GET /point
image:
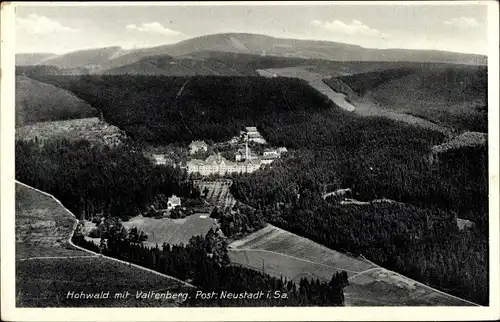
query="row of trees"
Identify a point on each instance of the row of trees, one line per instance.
(204, 263)
(239, 221)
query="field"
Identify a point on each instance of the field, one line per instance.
(46, 283)
(218, 192)
(281, 253)
(91, 129)
(171, 231)
(43, 226)
(40, 102)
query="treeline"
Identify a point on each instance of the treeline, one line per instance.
(204, 263)
(423, 244)
(240, 221)
(155, 110)
(97, 179)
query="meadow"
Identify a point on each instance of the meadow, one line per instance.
(43, 226)
(171, 231)
(48, 266)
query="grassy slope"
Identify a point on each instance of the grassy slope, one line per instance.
(25, 59)
(81, 58)
(39, 102)
(450, 95)
(42, 226)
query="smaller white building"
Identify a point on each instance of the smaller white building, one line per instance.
(173, 202)
(196, 146)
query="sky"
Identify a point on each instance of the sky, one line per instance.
(59, 29)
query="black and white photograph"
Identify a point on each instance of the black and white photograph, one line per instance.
(250, 155)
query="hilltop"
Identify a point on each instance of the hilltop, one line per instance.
(40, 102)
(114, 57)
(168, 65)
(84, 58)
(32, 58)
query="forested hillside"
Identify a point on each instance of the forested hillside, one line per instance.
(452, 95)
(91, 179)
(154, 109)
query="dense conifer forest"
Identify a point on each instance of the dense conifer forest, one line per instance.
(97, 179)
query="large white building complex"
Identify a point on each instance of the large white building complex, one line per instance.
(246, 162)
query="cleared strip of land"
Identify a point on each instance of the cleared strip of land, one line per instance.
(42, 226)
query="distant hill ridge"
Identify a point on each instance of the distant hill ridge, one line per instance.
(114, 57)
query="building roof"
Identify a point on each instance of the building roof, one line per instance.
(252, 161)
(269, 156)
(196, 162)
(254, 135)
(218, 159)
(197, 144)
(251, 129)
